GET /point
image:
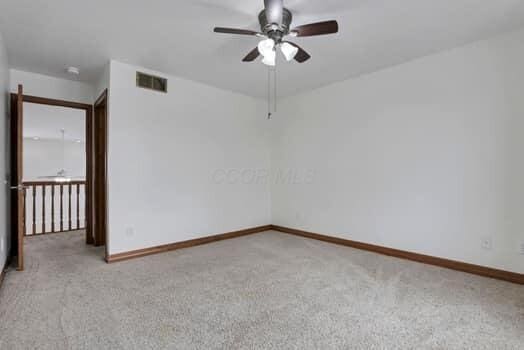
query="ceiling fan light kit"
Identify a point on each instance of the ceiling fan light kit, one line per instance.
(270, 59)
(275, 24)
(289, 51)
(266, 48)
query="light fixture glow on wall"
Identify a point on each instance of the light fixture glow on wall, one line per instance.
(289, 51)
(73, 70)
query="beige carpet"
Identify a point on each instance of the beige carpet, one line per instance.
(265, 291)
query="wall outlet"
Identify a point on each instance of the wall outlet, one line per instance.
(130, 232)
(487, 243)
(521, 251)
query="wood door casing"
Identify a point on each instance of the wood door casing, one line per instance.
(100, 170)
(17, 192)
(13, 206)
(89, 178)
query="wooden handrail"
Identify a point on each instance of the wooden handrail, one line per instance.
(49, 183)
(39, 189)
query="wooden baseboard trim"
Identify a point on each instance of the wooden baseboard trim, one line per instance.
(185, 244)
(421, 258)
(426, 259)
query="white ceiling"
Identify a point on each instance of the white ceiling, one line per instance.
(45, 122)
(177, 36)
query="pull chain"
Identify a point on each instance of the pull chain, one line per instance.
(271, 109)
(275, 89)
(268, 93)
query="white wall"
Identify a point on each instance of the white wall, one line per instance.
(50, 87)
(103, 82)
(426, 156)
(4, 190)
(44, 158)
(164, 152)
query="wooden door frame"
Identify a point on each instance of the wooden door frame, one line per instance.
(16, 205)
(100, 164)
(89, 155)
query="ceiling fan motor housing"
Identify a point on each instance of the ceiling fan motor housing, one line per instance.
(274, 30)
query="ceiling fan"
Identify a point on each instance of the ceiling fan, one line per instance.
(275, 21)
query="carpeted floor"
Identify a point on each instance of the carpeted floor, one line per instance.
(265, 291)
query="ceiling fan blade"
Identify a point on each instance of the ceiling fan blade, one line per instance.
(235, 31)
(301, 56)
(320, 28)
(274, 10)
(252, 55)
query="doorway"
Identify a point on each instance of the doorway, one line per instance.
(64, 199)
